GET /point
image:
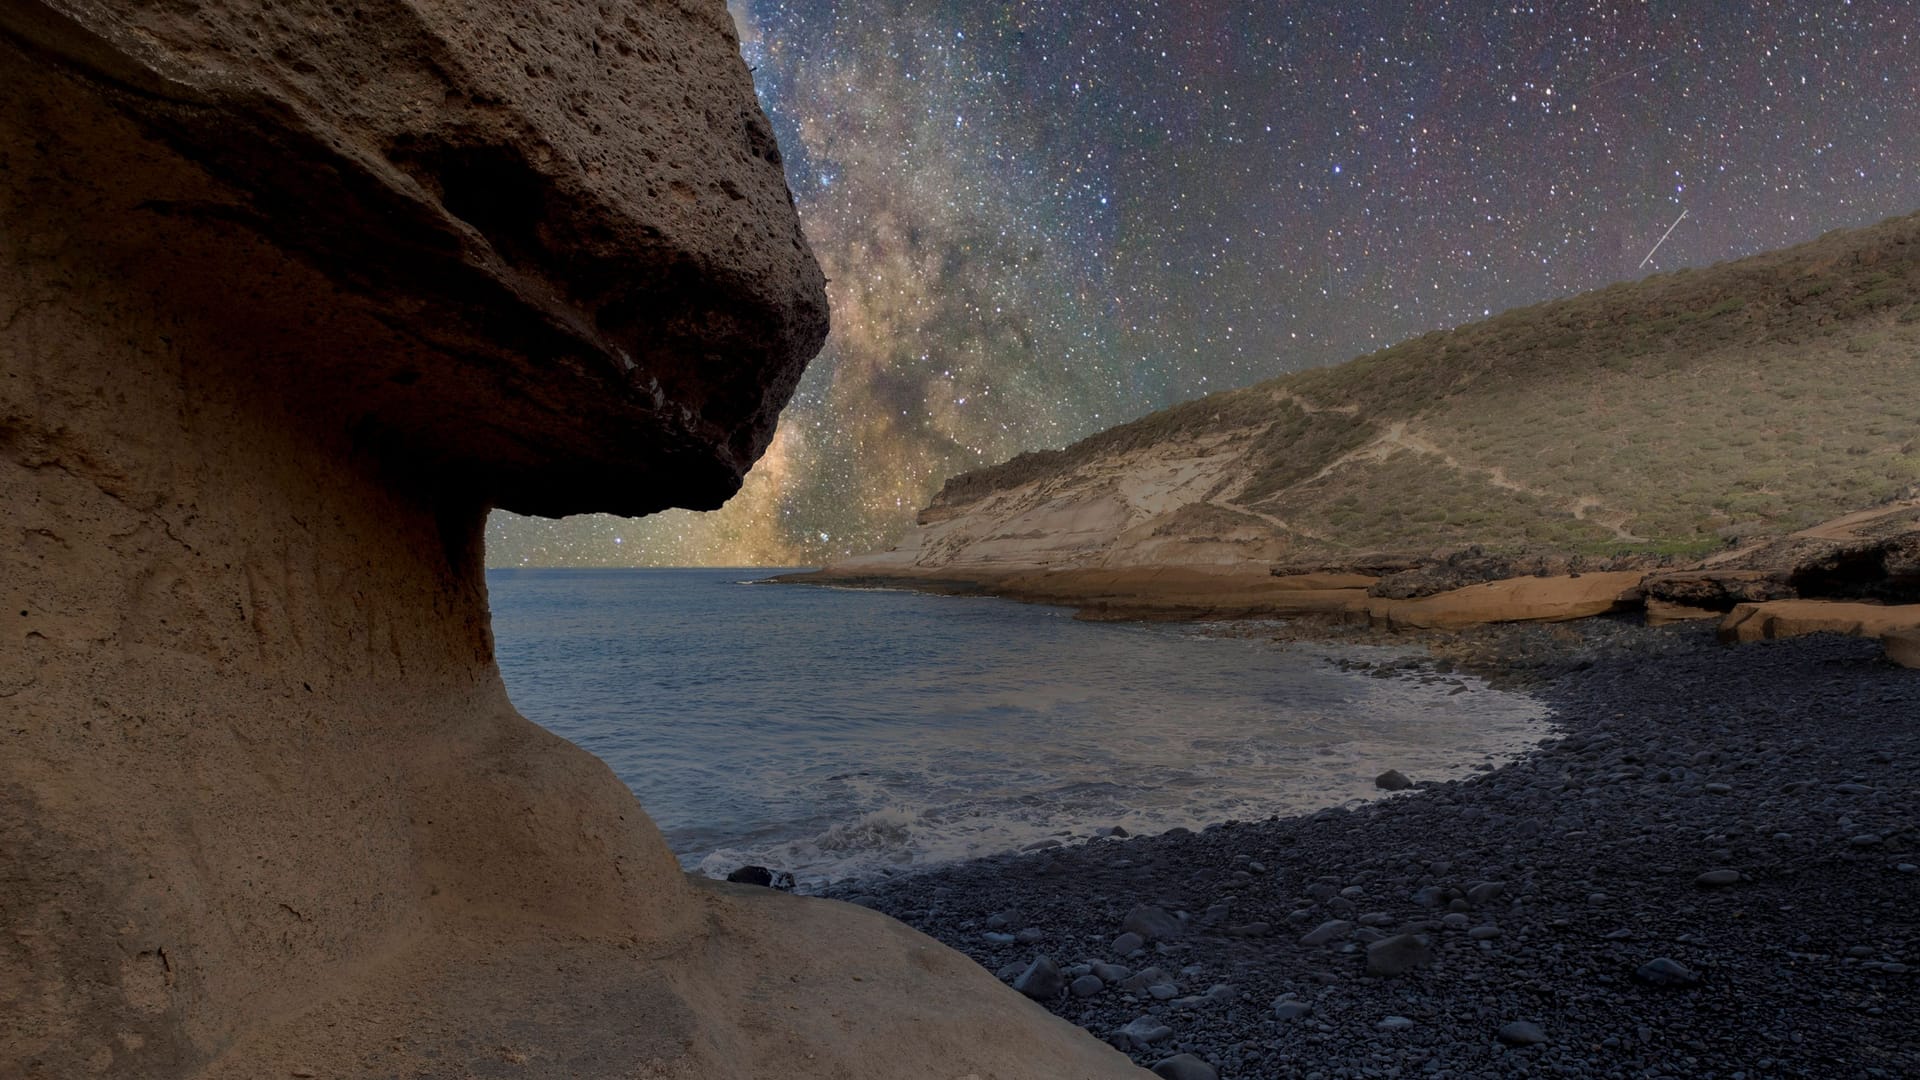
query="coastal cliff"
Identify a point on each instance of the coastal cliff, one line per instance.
(290, 297)
(1750, 422)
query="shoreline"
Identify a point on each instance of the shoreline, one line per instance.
(1376, 703)
(1675, 757)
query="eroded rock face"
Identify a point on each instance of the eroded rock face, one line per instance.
(573, 215)
(290, 295)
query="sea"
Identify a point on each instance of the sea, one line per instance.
(838, 733)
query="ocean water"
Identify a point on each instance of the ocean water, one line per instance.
(839, 732)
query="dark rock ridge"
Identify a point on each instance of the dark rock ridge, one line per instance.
(290, 295)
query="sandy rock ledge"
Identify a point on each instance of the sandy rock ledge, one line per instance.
(288, 300)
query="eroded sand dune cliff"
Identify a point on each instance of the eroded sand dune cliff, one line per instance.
(290, 296)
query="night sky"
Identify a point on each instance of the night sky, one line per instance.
(1039, 220)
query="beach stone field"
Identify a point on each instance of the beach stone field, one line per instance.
(1713, 870)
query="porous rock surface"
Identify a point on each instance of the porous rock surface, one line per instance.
(290, 296)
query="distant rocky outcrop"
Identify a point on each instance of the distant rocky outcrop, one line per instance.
(1645, 424)
(1689, 445)
(290, 295)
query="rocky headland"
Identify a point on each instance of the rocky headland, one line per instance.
(291, 295)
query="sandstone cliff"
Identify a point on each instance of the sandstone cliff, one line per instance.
(1662, 418)
(290, 296)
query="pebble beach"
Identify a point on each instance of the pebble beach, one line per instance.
(1709, 871)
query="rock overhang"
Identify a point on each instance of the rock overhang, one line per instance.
(605, 295)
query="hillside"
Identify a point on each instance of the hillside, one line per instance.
(1677, 415)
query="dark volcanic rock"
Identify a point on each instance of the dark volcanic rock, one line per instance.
(1144, 1031)
(1330, 931)
(1399, 954)
(1663, 971)
(1184, 1067)
(1522, 1033)
(1041, 981)
(1152, 923)
(1717, 590)
(1392, 780)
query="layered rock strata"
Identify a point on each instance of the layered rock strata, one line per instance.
(290, 296)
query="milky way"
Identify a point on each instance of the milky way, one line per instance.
(1039, 220)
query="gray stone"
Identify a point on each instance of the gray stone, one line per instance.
(1087, 986)
(1522, 1033)
(1144, 1031)
(1394, 1023)
(752, 875)
(1184, 1067)
(1484, 933)
(1152, 923)
(1665, 972)
(1128, 942)
(1392, 780)
(1291, 1010)
(1144, 978)
(1399, 954)
(1330, 930)
(1714, 879)
(1041, 981)
(1112, 973)
(1483, 893)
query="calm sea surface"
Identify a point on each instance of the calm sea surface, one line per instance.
(835, 732)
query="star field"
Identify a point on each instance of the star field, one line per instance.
(1040, 220)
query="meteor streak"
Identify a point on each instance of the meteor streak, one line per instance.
(1662, 240)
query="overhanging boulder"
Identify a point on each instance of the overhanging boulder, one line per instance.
(290, 296)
